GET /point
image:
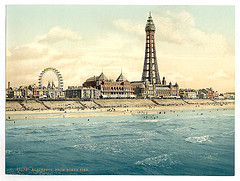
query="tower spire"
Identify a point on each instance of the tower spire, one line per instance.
(150, 24)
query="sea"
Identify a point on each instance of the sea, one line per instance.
(189, 142)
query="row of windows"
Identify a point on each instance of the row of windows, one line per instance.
(119, 93)
(116, 88)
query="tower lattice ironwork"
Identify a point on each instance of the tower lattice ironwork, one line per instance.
(150, 68)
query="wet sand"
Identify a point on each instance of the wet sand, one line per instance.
(115, 111)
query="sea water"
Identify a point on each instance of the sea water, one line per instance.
(189, 142)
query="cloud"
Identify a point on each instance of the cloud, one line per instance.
(178, 51)
(25, 62)
(28, 51)
(174, 76)
(218, 75)
(182, 17)
(76, 63)
(179, 28)
(129, 26)
(57, 34)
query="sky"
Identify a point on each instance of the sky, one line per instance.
(195, 45)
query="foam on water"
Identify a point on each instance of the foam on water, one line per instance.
(198, 139)
(181, 129)
(85, 146)
(177, 145)
(151, 120)
(161, 160)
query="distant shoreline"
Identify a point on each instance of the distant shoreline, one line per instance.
(112, 111)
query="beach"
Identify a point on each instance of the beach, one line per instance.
(97, 108)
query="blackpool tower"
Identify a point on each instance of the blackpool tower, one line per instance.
(150, 68)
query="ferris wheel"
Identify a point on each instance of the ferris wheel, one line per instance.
(56, 72)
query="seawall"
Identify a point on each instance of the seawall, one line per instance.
(31, 105)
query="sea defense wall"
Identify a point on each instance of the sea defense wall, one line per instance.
(106, 103)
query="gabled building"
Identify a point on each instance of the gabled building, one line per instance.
(121, 88)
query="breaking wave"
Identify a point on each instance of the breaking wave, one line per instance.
(198, 139)
(161, 160)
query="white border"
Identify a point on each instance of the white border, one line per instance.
(4, 177)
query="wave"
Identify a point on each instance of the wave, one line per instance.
(131, 141)
(34, 132)
(151, 120)
(147, 133)
(198, 139)
(161, 160)
(181, 129)
(85, 146)
(13, 152)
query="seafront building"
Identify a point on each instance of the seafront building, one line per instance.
(121, 88)
(188, 93)
(208, 93)
(81, 92)
(33, 91)
(229, 95)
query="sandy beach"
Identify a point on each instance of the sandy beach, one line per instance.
(113, 111)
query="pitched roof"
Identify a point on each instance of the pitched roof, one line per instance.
(102, 77)
(121, 78)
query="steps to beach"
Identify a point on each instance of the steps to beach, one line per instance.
(21, 103)
(41, 102)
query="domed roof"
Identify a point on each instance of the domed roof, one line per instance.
(95, 78)
(91, 79)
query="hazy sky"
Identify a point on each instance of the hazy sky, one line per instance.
(195, 44)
